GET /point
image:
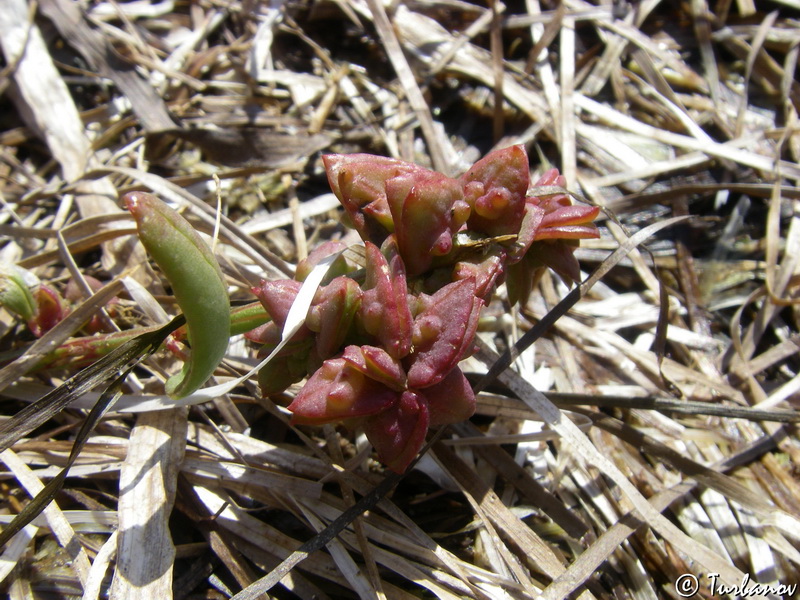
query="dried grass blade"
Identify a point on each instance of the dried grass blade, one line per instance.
(79, 245)
(426, 37)
(36, 414)
(48, 492)
(496, 48)
(221, 545)
(756, 47)
(15, 550)
(729, 574)
(777, 283)
(728, 150)
(702, 29)
(333, 441)
(535, 493)
(414, 573)
(56, 520)
(96, 49)
(43, 90)
(221, 471)
(615, 46)
(408, 81)
(508, 523)
(94, 584)
(455, 565)
(347, 566)
(280, 218)
(684, 407)
(606, 544)
(538, 61)
(569, 300)
(321, 539)
(727, 486)
(589, 560)
(148, 482)
(567, 135)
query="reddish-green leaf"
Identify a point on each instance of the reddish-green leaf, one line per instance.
(443, 333)
(398, 434)
(338, 391)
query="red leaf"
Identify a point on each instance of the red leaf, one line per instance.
(495, 189)
(428, 209)
(567, 232)
(485, 270)
(338, 391)
(277, 297)
(268, 333)
(384, 307)
(551, 177)
(444, 332)
(339, 266)
(358, 181)
(377, 364)
(398, 434)
(451, 400)
(570, 215)
(332, 314)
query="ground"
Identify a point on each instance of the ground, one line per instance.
(647, 441)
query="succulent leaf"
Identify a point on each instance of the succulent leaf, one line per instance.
(197, 283)
(332, 314)
(338, 391)
(486, 271)
(495, 189)
(443, 333)
(451, 400)
(428, 209)
(397, 434)
(377, 364)
(338, 268)
(358, 181)
(277, 297)
(571, 215)
(384, 307)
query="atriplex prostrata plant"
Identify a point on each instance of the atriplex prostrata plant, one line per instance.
(380, 346)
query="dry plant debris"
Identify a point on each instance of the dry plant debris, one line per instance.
(651, 433)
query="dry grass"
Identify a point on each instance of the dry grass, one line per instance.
(651, 433)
